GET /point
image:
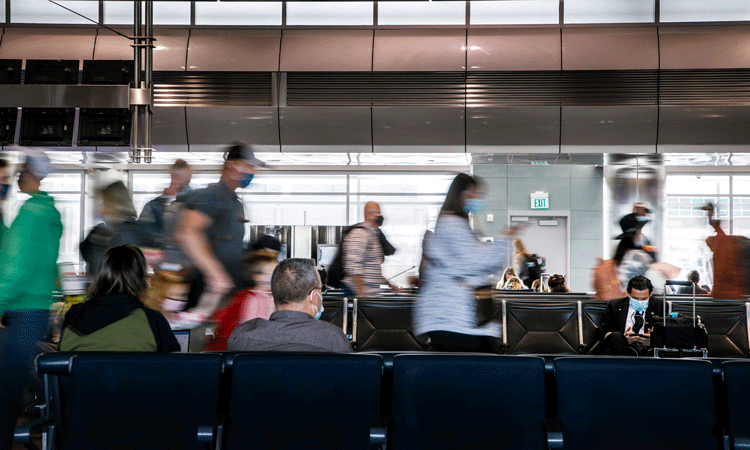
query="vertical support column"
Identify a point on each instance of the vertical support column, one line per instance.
(149, 60)
(629, 179)
(135, 142)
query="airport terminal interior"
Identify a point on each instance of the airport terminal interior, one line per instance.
(355, 101)
(570, 111)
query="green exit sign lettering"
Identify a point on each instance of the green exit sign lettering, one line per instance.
(540, 200)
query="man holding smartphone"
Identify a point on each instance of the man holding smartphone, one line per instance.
(626, 325)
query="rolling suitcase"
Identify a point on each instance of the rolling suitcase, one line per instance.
(678, 335)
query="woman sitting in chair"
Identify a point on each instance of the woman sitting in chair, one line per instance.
(114, 317)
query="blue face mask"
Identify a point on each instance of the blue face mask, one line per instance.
(322, 308)
(473, 206)
(4, 188)
(638, 305)
(245, 182)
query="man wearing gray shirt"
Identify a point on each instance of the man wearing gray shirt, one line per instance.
(296, 290)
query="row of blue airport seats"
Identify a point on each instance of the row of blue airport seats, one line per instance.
(533, 325)
(437, 401)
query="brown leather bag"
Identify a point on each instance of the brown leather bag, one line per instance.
(606, 284)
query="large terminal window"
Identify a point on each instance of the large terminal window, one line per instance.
(410, 203)
(685, 243)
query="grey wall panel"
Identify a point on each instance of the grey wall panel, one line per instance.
(705, 47)
(609, 129)
(528, 129)
(325, 129)
(47, 43)
(235, 50)
(169, 128)
(419, 50)
(720, 129)
(211, 129)
(610, 48)
(514, 49)
(418, 129)
(326, 50)
(169, 54)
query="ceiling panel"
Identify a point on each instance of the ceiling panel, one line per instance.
(169, 54)
(419, 50)
(513, 49)
(211, 129)
(704, 47)
(47, 43)
(706, 129)
(526, 129)
(418, 129)
(235, 50)
(325, 129)
(326, 51)
(610, 48)
(169, 133)
(609, 129)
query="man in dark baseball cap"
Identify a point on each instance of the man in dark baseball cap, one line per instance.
(243, 152)
(211, 232)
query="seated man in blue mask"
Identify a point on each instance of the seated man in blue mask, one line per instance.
(626, 325)
(293, 327)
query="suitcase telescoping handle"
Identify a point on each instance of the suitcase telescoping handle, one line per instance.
(678, 283)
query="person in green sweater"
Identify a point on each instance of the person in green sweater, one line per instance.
(28, 272)
(4, 189)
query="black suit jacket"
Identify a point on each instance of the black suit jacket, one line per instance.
(616, 315)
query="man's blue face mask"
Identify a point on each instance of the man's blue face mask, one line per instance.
(638, 305)
(4, 189)
(322, 308)
(245, 182)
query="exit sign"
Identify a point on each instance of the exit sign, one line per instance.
(540, 200)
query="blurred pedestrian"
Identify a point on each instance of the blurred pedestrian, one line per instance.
(119, 226)
(28, 259)
(446, 308)
(4, 190)
(211, 232)
(363, 254)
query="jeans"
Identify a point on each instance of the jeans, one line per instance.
(17, 352)
(348, 291)
(445, 341)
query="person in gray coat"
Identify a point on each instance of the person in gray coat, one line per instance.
(446, 307)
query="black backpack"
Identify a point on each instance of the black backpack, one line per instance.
(336, 269)
(531, 270)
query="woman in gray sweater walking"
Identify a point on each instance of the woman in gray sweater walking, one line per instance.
(459, 262)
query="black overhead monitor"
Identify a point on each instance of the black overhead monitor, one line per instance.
(108, 72)
(47, 127)
(104, 127)
(10, 71)
(51, 71)
(8, 120)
